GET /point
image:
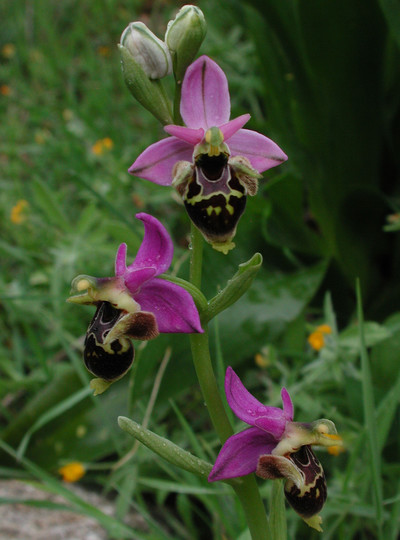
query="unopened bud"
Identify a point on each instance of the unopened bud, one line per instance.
(145, 59)
(147, 50)
(184, 36)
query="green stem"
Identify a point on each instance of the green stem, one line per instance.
(159, 84)
(277, 514)
(177, 103)
(208, 384)
(196, 255)
(247, 490)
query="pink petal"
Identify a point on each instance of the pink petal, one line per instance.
(240, 453)
(234, 125)
(205, 95)
(287, 405)
(173, 307)
(269, 424)
(261, 151)
(156, 250)
(120, 260)
(250, 410)
(156, 162)
(135, 278)
(189, 135)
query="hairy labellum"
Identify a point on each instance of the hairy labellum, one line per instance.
(107, 359)
(309, 498)
(215, 199)
(305, 486)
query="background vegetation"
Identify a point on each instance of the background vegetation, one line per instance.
(321, 78)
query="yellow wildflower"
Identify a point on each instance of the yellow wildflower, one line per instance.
(261, 361)
(102, 145)
(324, 328)
(336, 450)
(393, 218)
(138, 201)
(41, 136)
(317, 338)
(8, 50)
(67, 115)
(72, 472)
(5, 90)
(104, 50)
(17, 212)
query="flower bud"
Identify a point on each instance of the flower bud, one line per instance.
(147, 50)
(184, 36)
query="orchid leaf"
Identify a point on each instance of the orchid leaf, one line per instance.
(165, 448)
(235, 288)
(374, 333)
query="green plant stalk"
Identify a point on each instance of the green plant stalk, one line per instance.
(196, 255)
(247, 490)
(277, 514)
(177, 103)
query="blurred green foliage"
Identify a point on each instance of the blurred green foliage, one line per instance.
(319, 77)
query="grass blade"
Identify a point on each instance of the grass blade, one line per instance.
(369, 417)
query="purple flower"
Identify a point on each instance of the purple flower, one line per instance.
(134, 304)
(212, 162)
(276, 447)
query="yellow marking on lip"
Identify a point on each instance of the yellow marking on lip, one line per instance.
(216, 209)
(230, 209)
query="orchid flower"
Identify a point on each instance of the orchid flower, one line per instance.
(212, 162)
(276, 447)
(134, 304)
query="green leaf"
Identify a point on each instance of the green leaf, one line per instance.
(51, 414)
(178, 487)
(48, 203)
(391, 11)
(165, 448)
(235, 288)
(262, 315)
(374, 333)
